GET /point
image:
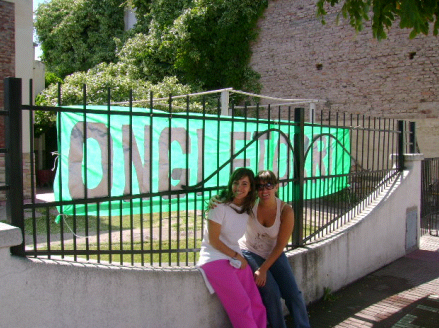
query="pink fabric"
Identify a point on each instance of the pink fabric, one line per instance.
(238, 293)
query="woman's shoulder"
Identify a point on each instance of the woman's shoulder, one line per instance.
(219, 208)
(283, 204)
(285, 208)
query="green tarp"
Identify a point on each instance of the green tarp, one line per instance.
(176, 152)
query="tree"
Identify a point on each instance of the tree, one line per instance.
(417, 15)
(204, 43)
(77, 35)
(113, 79)
(214, 43)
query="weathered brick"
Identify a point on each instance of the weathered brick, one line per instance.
(298, 57)
(7, 64)
(7, 54)
(391, 76)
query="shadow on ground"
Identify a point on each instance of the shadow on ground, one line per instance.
(386, 284)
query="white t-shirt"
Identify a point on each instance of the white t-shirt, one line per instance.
(233, 226)
(259, 239)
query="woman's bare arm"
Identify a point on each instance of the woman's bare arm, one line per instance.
(214, 233)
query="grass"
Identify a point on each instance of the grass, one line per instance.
(181, 230)
(155, 253)
(169, 237)
(328, 296)
(45, 221)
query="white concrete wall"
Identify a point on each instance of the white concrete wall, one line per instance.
(38, 77)
(46, 293)
(374, 239)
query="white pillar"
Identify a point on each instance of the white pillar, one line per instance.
(312, 110)
(225, 103)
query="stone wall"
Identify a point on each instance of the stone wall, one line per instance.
(299, 57)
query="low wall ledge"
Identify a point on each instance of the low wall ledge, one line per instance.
(82, 263)
(9, 235)
(413, 157)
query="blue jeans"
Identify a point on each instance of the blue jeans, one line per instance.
(280, 283)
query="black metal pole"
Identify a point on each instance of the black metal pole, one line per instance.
(299, 164)
(412, 137)
(14, 158)
(401, 145)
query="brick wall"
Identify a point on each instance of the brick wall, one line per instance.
(299, 57)
(7, 54)
(7, 68)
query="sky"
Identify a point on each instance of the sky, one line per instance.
(37, 49)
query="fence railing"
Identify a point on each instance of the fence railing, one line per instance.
(430, 196)
(132, 182)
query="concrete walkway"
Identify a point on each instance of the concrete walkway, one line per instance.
(403, 294)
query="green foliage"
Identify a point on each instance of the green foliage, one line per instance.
(159, 13)
(104, 78)
(177, 47)
(417, 15)
(213, 39)
(77, 35)
(204, 43)
(328, 296)
(147, 57)
(51, 78)
(43, 121)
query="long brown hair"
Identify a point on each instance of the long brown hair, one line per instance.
(227, 196)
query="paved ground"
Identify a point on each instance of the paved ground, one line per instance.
(403, 294)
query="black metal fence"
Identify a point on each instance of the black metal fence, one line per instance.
(430, 196)
(132, 182)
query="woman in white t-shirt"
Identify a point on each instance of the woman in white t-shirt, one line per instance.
(221, 260)
(263, 244)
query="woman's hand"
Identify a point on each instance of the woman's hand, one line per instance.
(260, 277)
(244, 262)
(213, 202)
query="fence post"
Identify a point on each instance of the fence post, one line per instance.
(14, 158)
(401, 144)
(412, 137)
(225, 102)
(299, 164)
(312, 112)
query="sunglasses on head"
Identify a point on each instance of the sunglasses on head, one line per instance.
(267, 186)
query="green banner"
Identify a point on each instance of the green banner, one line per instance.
(177, 153)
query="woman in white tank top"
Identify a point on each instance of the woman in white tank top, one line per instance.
(263, 244)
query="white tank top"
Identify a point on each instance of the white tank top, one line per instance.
(259, 239)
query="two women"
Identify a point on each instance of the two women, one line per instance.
(221, 259)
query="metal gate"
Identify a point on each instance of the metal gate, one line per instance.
(430, 196)
(120, 232)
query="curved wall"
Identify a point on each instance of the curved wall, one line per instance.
(49, 293)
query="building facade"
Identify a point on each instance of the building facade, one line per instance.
(298, 57)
